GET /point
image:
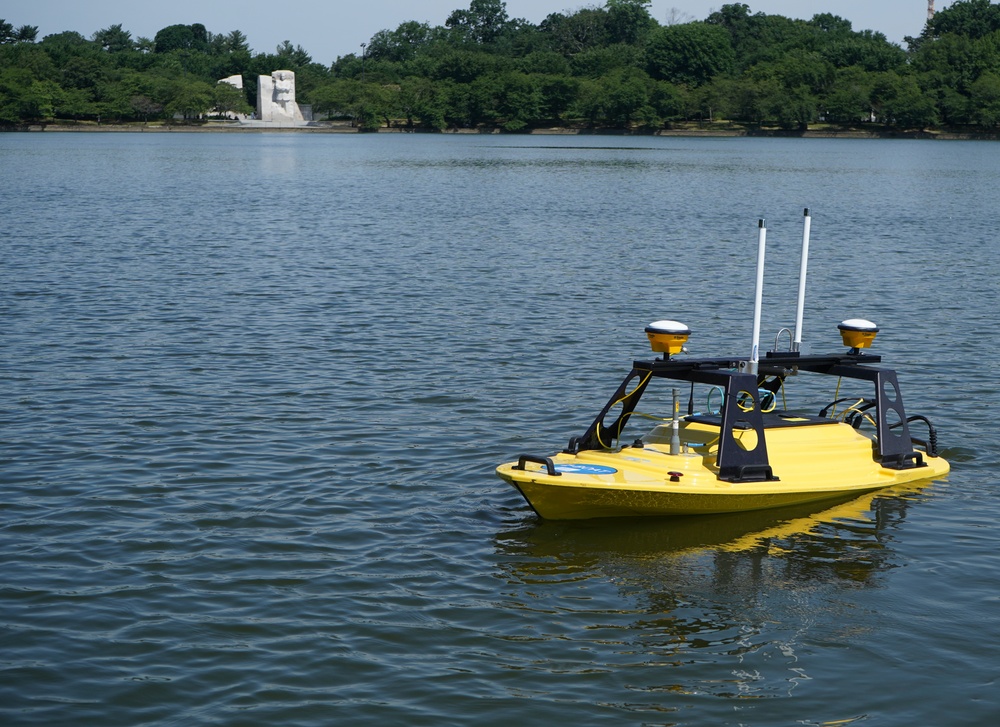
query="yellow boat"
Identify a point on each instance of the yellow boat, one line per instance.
(741, 452)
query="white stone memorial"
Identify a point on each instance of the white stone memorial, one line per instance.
(276, 99)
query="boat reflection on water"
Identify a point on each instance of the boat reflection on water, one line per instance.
(724, 603)
(840, 532)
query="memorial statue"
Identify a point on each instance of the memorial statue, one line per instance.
(276, 98)
(284, 87)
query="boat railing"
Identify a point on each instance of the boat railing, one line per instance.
(741, 408)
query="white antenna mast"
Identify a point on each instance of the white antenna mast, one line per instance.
(800, 307)
(758, 297)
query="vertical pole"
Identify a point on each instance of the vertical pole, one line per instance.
(758, 297)
(800, 307)
(675, 437)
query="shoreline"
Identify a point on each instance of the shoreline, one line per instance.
(344, 128)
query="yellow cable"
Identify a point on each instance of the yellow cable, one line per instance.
(854, 407)
(651, 416)
(626, 396)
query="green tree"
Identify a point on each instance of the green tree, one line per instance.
(619, 99)
(968, 18)
(189, 98)
(294, 57)
(173, 37)
(113, 96)
(958, 59)
(113, 39)
(235, 42)
(953, 107)
(899, 101)
(558, 92)
(23, 34)
(465, 66)
(868, 50)
(832, 25)
(755, 100)
(627, 96)
(227, 99)
(520, 38)
(26, 98)
(517, 100)
(74, 103)
(181, 37)
(547, 62)
(985, 97)
(691, 54)
(583, 30)
(484, 22)
(797, 107)
(510, 99)
(849, 100)
(364, 103)
(61, 46)
(760, 37)
(597, 62)
(798, 68)
(17, 102)
(401, 44)
(628, 21)
(667, 100)
(145, 107)
(712, 101)
(29, 57)
(424, 101)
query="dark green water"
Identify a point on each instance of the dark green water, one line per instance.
(253, 389)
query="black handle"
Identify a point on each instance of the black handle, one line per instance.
(550, 468)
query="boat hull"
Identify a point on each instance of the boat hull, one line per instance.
(811, 464)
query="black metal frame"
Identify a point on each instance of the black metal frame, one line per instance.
(894, 448)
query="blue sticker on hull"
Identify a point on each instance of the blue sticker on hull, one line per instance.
(585, 469)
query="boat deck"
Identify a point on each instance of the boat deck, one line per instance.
(772, 420)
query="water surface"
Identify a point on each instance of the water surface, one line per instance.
(253, 388)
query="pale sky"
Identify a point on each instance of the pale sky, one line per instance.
(327, 29)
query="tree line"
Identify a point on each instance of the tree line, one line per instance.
(610, 65)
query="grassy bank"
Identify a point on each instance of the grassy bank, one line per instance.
(721, 129)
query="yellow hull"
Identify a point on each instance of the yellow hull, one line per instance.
(812, 463)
